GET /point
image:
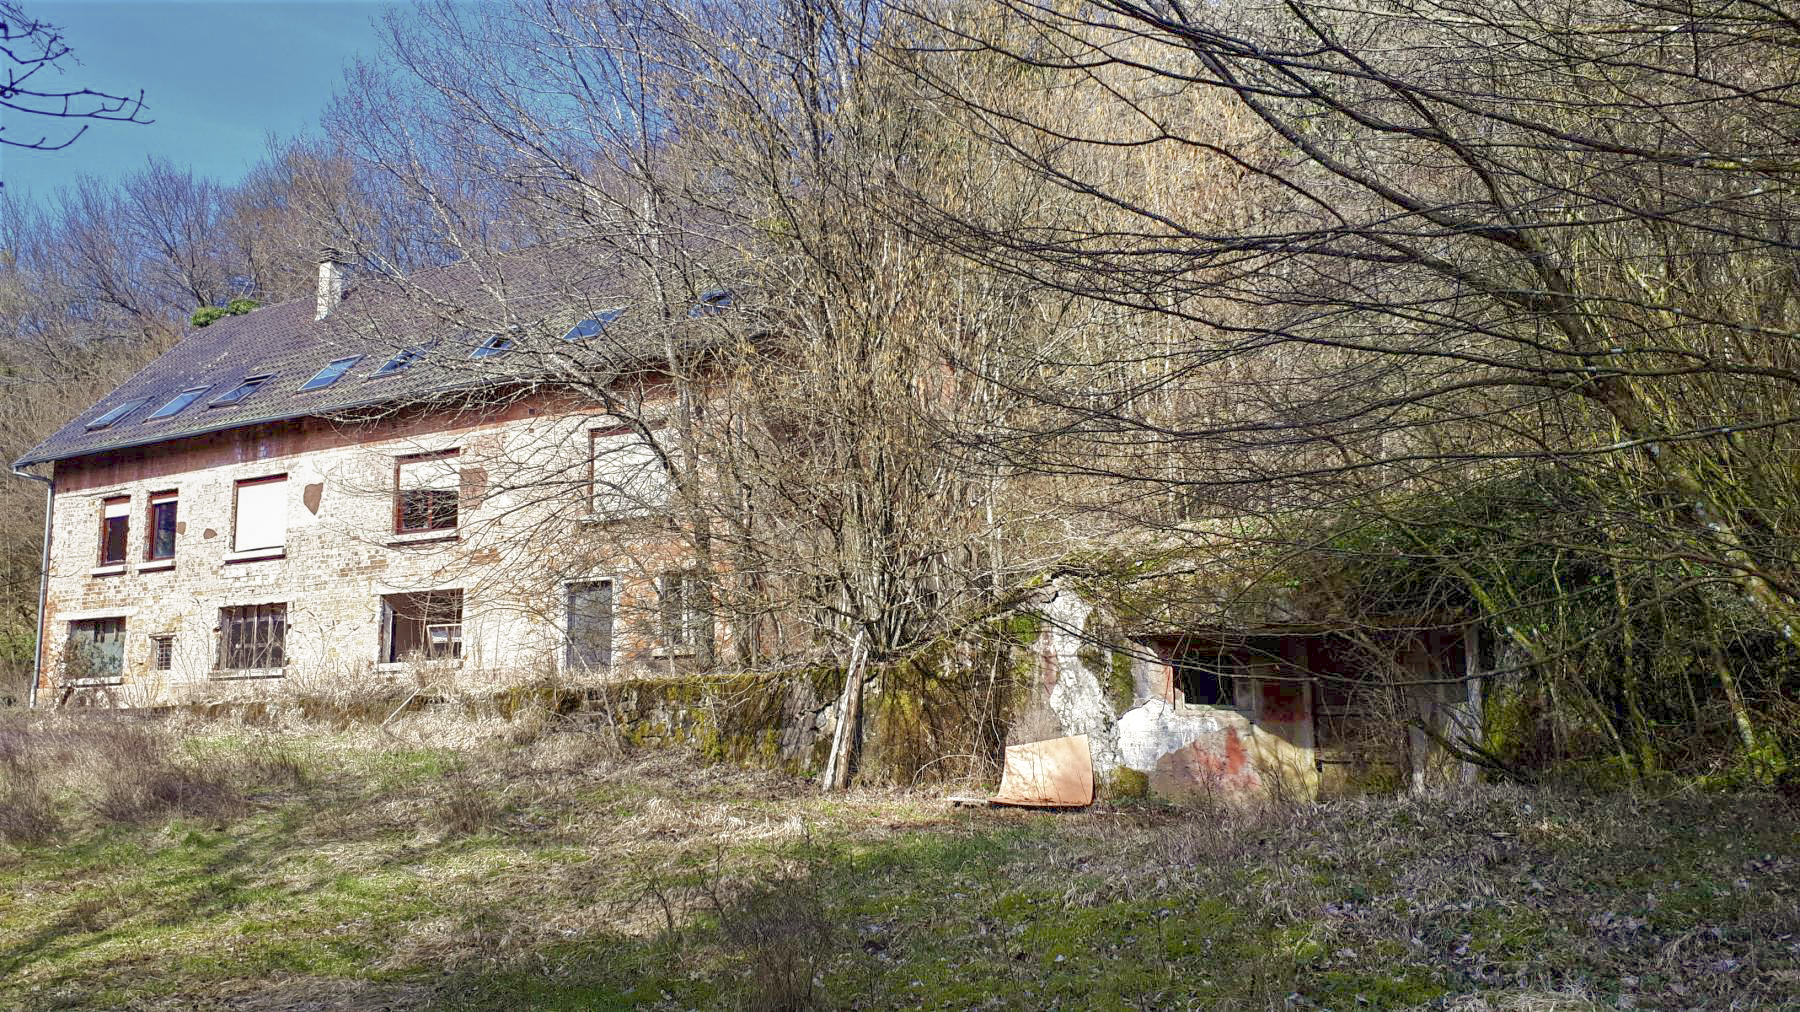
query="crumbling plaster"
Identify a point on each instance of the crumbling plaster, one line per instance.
(1262, 745)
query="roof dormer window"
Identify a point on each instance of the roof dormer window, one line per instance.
(593, 325)
(711, 303)
(238, 394)
(117, 413)
(402, 359)
(333, 371)
(178, 403)
(499, 344)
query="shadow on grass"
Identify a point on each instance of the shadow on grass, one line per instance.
(340, 899)
(928, 919)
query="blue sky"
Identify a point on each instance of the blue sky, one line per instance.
(218, 77)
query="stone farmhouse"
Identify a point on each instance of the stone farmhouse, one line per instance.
(407, 475)
(368, 481)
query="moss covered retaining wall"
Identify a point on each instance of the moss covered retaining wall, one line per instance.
(779, 720)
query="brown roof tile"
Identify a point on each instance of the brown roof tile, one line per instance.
(539, 292)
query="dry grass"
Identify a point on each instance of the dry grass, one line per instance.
(453, 862)
(15, 684)
(110, 768)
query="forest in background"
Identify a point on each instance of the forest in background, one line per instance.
(1406, 309)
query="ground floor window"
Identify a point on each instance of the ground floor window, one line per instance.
(421, 626)
(682, 598)
(96, 649)
(590, 624)
(162, 653)
(252, 637)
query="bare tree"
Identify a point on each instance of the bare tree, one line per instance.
(33, 47)
(743, 155)
(1463, 242)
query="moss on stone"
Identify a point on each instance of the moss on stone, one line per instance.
(726, 718)
(1125, 783)
(1374, 778)
(1506, 717)
(1121, 686)
(1025, 627)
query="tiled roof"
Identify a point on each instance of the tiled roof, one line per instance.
(452, 310)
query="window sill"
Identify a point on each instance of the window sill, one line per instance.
(246, 674)
(92, 683)
(409, 538)
(396, 667)
(111, 569)
(156, 565)
(256, 554)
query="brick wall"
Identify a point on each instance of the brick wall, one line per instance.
(526, 530)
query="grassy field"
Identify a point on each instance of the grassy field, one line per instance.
(480, 865)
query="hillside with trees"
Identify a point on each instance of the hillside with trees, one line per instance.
(1451, 309)
(1399, 316)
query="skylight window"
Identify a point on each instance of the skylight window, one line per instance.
(401, 360)
(716, 301)
(333, 371)
(499, 344)
(179, 402)
(117, 413)
(593, 325)
(237, 394)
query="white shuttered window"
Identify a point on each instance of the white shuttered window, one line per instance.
(261, 514)
(629, 478)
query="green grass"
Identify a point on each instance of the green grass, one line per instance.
(557, 874)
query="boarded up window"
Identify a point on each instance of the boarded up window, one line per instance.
(96, 650)
(590, 625)
(423, 626)
(252, 637)
(629, 477)
(115, 529)
(426, 490)
(260, 515)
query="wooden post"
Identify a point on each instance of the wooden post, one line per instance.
(843, 743)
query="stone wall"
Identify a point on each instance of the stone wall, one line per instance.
(526, 531)
(783, 721)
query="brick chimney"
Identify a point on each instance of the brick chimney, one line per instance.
(332, 264)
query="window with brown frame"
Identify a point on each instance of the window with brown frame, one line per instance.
(1209, 676)
(159, 540)
(427, 488)
(252, 637)
(115, 529)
